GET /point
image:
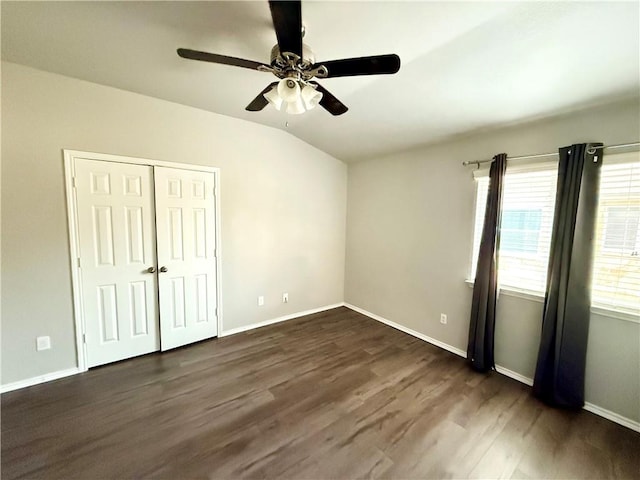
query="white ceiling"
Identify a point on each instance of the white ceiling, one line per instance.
(465, 65)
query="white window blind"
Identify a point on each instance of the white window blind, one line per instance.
(616, 272)
(482, 190)
(525, 236)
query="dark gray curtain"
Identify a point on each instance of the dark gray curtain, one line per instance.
(483, 306)
(559, 378)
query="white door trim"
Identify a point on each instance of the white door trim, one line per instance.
(69, 170)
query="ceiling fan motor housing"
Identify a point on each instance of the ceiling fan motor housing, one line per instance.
(287, 64)
(308, 57)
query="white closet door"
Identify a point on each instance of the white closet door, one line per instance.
(117, 247)
(185, 222)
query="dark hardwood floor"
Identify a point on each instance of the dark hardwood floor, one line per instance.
(330, 395)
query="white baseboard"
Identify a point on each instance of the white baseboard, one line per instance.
(244, 328)
(515, 375)
(409, 331)
(39, 379)
(590, 407)
(614, 417)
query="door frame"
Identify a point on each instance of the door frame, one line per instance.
(70, 157)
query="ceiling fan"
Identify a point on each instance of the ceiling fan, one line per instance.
(294, 64)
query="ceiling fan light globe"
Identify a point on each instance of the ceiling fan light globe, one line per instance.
(296, 107)
(310, 96)
(273, 98)
(288, 89)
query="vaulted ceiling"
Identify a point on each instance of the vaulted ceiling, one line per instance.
(465, 65)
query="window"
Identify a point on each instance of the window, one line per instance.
(616, 272)
(620, 228)
(525, 235)
(520, 232)
(482, 190)
(527, 221)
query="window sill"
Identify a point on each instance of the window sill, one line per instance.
(611, 313)
(516, 292)
(539, 297)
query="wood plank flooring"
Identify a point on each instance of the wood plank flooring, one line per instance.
(330, 395)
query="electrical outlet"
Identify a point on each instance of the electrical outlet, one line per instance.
(260, 301)
(443, 318)
(43, 343)
(285, 298)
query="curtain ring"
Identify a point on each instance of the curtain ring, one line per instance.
(591, 150)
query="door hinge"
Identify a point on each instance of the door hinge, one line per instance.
(84, 338)
(73, 182)
(79, 263)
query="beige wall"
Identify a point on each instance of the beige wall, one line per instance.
(283, 206)
(409, 235)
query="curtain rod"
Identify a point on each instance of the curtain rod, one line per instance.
(543, 155)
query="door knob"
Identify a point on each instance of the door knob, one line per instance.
(151, 269)
(163, 269)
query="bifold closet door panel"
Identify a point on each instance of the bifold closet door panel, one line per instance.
(186, 240)
(116, 234)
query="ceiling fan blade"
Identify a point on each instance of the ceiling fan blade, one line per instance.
(215, 58)
(349, 67)
(287, 20)
(330, 103)
(260, 102)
